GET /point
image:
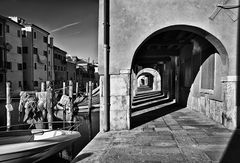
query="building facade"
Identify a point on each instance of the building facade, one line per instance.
(14, 55)
(60, 66)
(35, 56)
(50, 67)
(195, 51)
(71, 71)
(2, 56)
(85, 72)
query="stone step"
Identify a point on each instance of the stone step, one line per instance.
(152, 108)
(147, 99)
(150, 104)
(138, 97)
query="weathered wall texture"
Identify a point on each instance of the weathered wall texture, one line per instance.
(132, 21)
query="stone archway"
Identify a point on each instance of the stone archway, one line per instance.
(156, 85)
(180, 52)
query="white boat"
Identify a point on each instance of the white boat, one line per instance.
(33, 145)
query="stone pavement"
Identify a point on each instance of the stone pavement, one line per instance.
(181, 136)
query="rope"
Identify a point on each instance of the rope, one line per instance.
(60, 88)
(40, 123)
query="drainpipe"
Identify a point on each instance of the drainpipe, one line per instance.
(106, 67)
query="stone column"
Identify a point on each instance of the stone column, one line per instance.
(119, 101)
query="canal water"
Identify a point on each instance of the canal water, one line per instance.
(88, 128)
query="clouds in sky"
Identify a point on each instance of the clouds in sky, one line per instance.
(64, 27)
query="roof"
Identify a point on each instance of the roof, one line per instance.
(10, 20)
(39, 28)
(56, 48)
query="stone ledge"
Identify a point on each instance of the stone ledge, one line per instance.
(230, 79)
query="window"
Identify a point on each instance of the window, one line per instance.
(207, 74)
(64, 68)
(24, 65)
(35, 83)
(1, 57)
(24, 34)
(61, 68)
(35, 51)
(18, 33)
(55, 67)
(8, 65)
(45, 67)
(45, 39)
(49, 73)
(19, 66)
(20, 84)
(7, 28)
(19, 50)
(49, 63)
(45, 53)
(1, 29)
(35, 65)
(58, 68)
(1, 78)
(25, 49)
(34, 35)
(55, 55)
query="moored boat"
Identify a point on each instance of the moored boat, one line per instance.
(33, 145)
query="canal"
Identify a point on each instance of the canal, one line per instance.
(88, 128)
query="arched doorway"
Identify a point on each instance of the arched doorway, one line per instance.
(191, 62)
(153, 76)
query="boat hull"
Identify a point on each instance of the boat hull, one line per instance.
(34, 147)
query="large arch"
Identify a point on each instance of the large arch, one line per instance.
(197, 30)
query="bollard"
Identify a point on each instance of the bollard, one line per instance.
(8, 103)
(87, 88)
(90, 98)
(42, 86)
(64, 88)
(64, 107)
(49, 104)
(76, 89)
(71, 97)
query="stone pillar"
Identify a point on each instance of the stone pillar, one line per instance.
(119, 101)
(230, 114)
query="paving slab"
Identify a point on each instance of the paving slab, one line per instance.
(183, 136)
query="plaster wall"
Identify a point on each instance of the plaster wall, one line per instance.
(131, 22)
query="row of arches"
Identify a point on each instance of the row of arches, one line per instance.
(186, 64)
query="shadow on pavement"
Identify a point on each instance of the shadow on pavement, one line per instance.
(232, 152)
(81, 157)
(154, 114)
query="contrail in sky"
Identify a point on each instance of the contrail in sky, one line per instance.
(63, 27)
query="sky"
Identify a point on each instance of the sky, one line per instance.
(72, 23)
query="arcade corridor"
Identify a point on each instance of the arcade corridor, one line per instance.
(167, 134)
